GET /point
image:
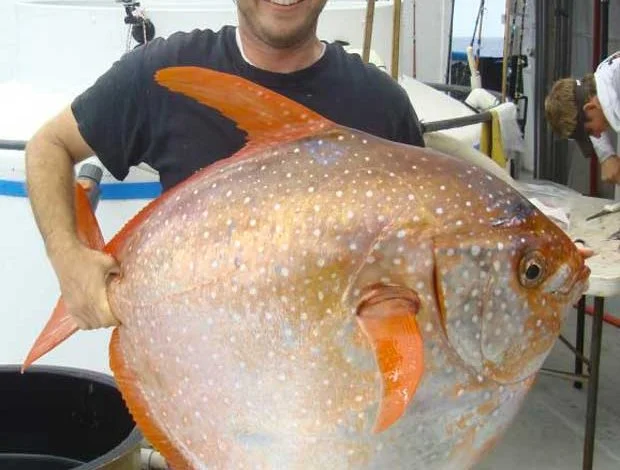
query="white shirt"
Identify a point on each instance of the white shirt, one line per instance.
(607, 78)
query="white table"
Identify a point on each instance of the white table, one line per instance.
(604, 282)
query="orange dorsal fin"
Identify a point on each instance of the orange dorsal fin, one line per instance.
(61, 325)
(262, 113)
(387, 318)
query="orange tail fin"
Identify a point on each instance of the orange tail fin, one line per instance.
(61, 326)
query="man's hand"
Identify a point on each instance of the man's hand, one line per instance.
(610, 170)
(583, 249)
(83, 275)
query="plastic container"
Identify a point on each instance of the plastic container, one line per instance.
(56, 418)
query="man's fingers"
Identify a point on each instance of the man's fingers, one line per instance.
(583, 249)
(106, 317)
(109, 264)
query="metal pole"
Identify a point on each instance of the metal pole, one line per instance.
(415, 45)
(540, 125)
(604, 29)
(561, 68)
(12, 144)
(596, 54)
(370, 17)
(449, 64)
(396, 39)
(595, 358)
(456, 122)
(506, 51)
(581, 320)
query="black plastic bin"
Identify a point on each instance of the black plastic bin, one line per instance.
(56, 418)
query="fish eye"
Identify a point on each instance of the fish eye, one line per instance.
(531, 269)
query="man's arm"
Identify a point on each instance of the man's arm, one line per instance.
(82, 273)
(609, 160)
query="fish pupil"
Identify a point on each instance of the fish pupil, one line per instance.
(532, 272)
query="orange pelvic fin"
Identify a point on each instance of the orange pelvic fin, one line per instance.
(61, 325)
(387, 318)
(263, 114)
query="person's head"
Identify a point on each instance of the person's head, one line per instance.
(571, 102)
(280, 24)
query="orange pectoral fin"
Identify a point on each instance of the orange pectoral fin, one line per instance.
(387, 318)
(61, 325)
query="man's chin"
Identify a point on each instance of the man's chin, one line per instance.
(279, 39)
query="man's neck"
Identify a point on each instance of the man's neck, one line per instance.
(287, 60)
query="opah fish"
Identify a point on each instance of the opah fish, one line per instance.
(328, 299)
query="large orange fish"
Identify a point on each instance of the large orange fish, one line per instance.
(328, 299)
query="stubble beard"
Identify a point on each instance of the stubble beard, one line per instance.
(290, 39)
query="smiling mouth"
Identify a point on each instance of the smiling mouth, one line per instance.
(285, 3)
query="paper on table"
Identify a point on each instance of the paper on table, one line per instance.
(556, 214)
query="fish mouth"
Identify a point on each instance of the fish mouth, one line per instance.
(579, 283)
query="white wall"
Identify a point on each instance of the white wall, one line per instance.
(8, 39)
(75, 44)
(432, 38)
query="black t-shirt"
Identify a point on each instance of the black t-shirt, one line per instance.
(127, 118)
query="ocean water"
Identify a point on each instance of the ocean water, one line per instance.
(489, 47)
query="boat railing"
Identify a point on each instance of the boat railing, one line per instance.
(12, 144)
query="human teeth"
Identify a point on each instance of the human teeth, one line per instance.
(285, 2)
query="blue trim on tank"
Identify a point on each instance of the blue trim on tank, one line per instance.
(110, 191)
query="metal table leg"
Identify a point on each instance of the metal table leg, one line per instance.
(581, 320)
(595, 356)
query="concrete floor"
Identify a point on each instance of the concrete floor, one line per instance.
(548, 433)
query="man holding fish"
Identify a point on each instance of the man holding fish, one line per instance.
(325, 297)
(120, 120)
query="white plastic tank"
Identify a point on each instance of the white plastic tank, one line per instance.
(64, 45)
